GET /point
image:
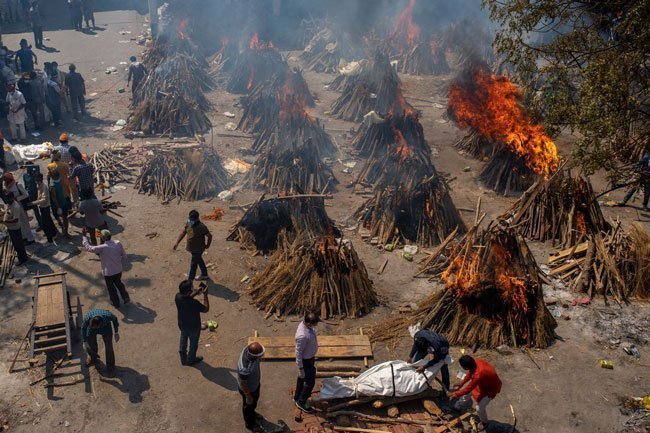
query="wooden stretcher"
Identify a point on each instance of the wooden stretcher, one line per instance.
(53, 317)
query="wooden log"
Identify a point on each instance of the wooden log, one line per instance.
(357, 430)
(431, 407)
(379, 419)
(322, 374)
(379, 403)
(392, 411)
(337, 366)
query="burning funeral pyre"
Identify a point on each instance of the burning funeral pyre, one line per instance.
(492, 296)
(261, 225)
(263, 104)
(520, 151)
(170, 100)
(415, 53)
(614, 264)
(411, 200)
(373, 89)
(256, 64)
(563, 209)
(186, 172)
(327, 51)
(291, 150)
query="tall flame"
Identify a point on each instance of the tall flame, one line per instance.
(405, 29)
(491, 106)
(255, 44)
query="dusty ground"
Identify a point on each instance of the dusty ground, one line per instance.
(561, 389)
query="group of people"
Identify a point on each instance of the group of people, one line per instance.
(80, 11)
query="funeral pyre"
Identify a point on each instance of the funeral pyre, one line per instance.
(492, 295)
(328, 50)
(414, 52)
(520, 151)
(256, 64)
(170, 100)
(186, 172)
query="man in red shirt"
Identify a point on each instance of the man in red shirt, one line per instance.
(481, 380)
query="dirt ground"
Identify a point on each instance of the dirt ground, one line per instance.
(560, 389)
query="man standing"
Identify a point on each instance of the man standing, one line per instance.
(199, 239)
(112, 256)
(53, 100)
(248, 379)
(82, 174)
(93, 211)
(96, 322)
(11, 219)
(16, 115)
(37, 23)
(43, 203)
(137, 72)
(481, 380)
(26, 57)
(64, 148)
(643, 182)
(306, 349)
(88, 9)
(59, 77)
(60, 199)
(189, 319)
(37, 104)
(427, 342)
(76, 86)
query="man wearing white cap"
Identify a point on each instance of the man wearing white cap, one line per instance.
(112, 257)
(248, 379)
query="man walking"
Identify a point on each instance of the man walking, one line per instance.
(16, 115)
(642, 182)
(306, 349)
(189, 319)
(199, 239)
(98, 322)
(93, 211)
(82, 174)
(76, 86)
(427, 342)
(482, 381)
(11, 219)
(43, 203)
(112, 256)
(249, 381)
(137, 72)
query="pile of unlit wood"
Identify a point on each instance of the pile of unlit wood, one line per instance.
(476, 145)
(264, 220)
(170, 101)
(191, 172)
(224, 59)
(327, 50)
(563, 209)
(7, 257)
(492, 296)
(614, 264)
(375, 88)
(253, 66)
(319, 273)
(113, 165)
(421, 58)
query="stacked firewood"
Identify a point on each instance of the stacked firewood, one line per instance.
(346, 77)
(314, 273)
(254, 65)
(563, 209)
(262, 223)
(492, 296)
(7, 258)
(182, 172)
(224, 59)
(507, 173)
(113, 165)
(170, 101)
(614, 264)
(476, 145)
(327, 50)
(421, 58)
(374, 89)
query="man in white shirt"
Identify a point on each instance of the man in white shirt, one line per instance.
(306, 350)
(112, 256)
(16, 114)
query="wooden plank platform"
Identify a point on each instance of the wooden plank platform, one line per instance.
(329, 346)
(51, 315)
(50, 310)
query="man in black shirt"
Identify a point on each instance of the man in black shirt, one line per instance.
(77, 90)
(427, 342)
(189, 319)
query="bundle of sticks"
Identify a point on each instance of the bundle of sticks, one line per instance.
(253, 66)
(318, 274)
(492, 296)
(170, 101)
(374, 89)
(7, 258)
(476, 145)
(563, 209)
(327, 50)
(507, 173)
(421, 58)
(184, 172)
(112, 166)
(346, 77)
(224, 59)
(614, 264)
(261, 225)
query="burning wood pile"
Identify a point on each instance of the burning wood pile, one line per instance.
(225, 58)
(319, 273)
(261, 225)
(327, 51)
(415, 54)
(170, 100)
(492, 296)
(563, 209)
(290, 161)
(520, 151)
(375, 88)
(256, 64)
(263, 104)
(191, 172)
(614, 264)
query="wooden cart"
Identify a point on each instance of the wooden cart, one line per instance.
(53, 317)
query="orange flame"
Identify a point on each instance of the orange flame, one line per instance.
(491, 106)
(292, 108)
(403, 149)
(255, 44)
(406, 31)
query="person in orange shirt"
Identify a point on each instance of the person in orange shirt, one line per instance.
(481, 380)
(62, 168)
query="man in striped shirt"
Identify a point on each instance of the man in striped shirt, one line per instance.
(100, 322)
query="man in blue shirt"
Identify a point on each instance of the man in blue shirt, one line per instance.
(100, 322)
(427, 342)
(248, 379)
(26, 56)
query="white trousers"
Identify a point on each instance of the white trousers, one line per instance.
(465, 402)
(14, 128)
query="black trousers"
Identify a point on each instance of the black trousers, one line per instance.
(248, 410)
(305, 386)
(444, 371)
(38, 36)
(114, 284)
(92, 349)
(47, 224)
(16, 237)
(645, 185)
